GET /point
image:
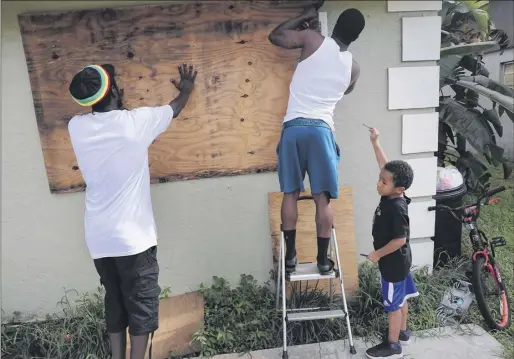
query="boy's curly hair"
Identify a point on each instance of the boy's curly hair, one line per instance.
(402, 172)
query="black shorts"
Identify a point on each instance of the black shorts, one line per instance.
(131, 292)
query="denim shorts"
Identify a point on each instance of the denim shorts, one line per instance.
(308, 146)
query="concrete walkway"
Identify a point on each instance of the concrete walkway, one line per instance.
(443, 343)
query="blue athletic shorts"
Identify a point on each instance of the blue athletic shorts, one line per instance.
(308, 145)
(395, 294)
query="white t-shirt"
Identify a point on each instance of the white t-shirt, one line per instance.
(112, 153)
(319, 83)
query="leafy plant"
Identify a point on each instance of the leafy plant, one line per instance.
(467, 31)
(77, 333)
(243, 319)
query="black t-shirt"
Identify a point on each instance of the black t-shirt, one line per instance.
(391, 221)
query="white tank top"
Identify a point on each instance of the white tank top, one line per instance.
(319, 82)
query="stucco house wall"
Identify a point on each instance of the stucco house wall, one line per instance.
(213, 226)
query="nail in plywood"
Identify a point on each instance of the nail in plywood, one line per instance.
(413, 87)
(306, 242)
(414, 5)
(421, 38)
(179, 318)
(232, 122)
(425, 177)
(420, 132)
(422, 221)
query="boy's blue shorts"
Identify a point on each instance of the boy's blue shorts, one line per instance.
(308, 145)
(396, 294)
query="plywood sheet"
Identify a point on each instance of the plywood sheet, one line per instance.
(422, 221)
(421, 38)
(233, 120)
(425, 177)
(420, 132)
(179, 318)
(414, 5)
(413, 87)
(306, 243)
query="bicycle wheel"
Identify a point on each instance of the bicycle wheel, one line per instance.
(491, 295)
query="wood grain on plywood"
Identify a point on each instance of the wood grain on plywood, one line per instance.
(306, 243)
(233, 120)
(179, 318)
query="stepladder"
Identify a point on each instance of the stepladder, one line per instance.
(305, 272)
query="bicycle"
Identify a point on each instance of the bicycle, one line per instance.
(483, 260)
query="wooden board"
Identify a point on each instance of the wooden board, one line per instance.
(233, 120)
(179, 318)
(306, 243)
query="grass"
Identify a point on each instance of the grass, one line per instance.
(496, 221)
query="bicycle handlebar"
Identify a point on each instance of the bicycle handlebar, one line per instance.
(453, 210)
(494, 191)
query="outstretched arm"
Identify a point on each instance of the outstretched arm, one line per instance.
(185, 86)
(289, 35)
(379, 152)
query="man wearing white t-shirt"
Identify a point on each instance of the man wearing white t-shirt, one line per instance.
(111, 146)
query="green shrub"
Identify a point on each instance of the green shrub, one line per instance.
(77, 333)
(243, 319)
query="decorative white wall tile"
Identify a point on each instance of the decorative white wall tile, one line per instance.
(413, 87)
(416, 5)
(420, 132)
(422, 222)
(323, 19)
(422, 254)
(425, 177)
(421, 38)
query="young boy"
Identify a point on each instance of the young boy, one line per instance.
(392, 250)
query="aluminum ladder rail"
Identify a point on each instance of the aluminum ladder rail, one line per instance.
(306, 272)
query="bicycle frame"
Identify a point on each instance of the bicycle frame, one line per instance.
(483, 250)
(483, 247)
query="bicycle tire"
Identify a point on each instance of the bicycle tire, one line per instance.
(505, 323)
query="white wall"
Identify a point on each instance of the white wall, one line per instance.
(207, 227)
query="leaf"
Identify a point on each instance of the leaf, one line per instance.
(487, 155)
(510, 114)
(489, 83)
(471, 64)
(447, 66)
(472, 98)
(448, 131)
(466, 123)
(469, 49)
(482, 18)
(492, 116)
(496, 153)
(468, 161)
(507, 169)
(489, 128)
(476, 4)
(503, 100)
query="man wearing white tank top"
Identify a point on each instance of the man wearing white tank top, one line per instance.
(325, 73)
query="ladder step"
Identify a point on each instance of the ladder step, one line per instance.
(309, 271)
(298, 317)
